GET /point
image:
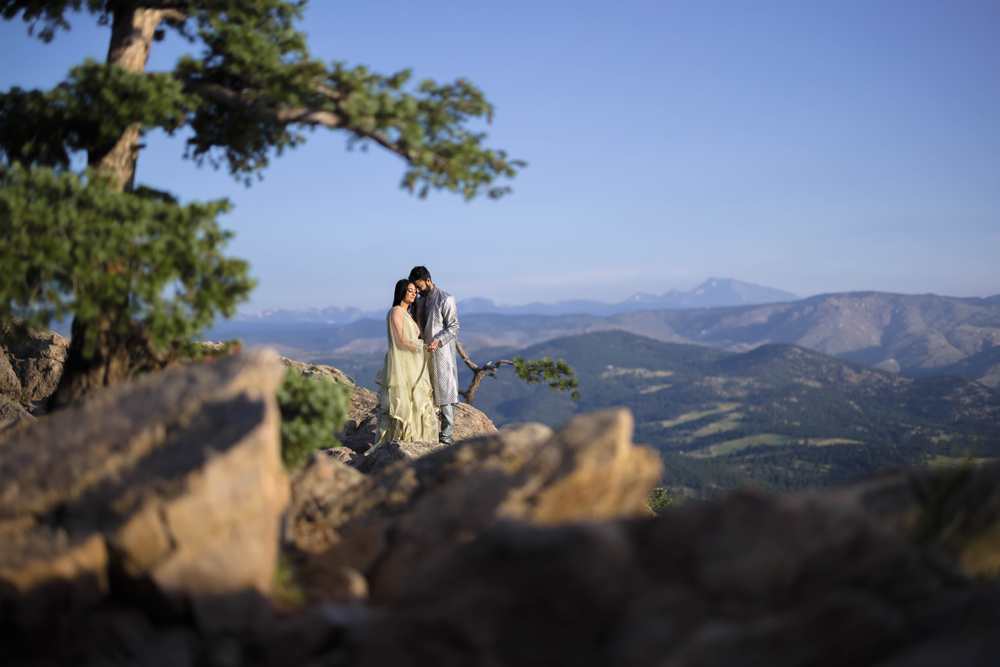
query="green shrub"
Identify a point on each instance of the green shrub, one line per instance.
(312, 410)
(659, 500)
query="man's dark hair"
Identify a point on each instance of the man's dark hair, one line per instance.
(400, 291)
(420, 273)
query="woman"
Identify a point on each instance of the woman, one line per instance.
(405, 404)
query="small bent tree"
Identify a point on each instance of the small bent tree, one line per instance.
(135, 268)
(557, 373)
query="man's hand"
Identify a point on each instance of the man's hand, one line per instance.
(435, 344)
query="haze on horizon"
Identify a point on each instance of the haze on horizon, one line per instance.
(811, 147)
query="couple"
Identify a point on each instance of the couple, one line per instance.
(420, 370)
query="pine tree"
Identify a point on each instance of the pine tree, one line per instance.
(135, 268)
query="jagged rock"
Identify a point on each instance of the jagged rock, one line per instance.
(749, 580)
(318, 370)
(10, 385)
(171, 483)
(37, 361)
(323, 475)
(471, 423)
(392, 452)
(413, 513)
(344, 455)
(11, 413)
(362, 421)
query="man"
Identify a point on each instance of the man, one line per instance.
(438, 317)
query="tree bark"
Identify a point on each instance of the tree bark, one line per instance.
(478, 373)
(108, 365)
(132, 32)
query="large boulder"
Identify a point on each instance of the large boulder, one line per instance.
(749, 580)
(171, 485)
(410, 515)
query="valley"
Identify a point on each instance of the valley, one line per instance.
(778, 416)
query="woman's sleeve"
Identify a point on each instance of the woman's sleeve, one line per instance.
(398, 338)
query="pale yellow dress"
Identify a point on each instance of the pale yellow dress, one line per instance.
(405, 400)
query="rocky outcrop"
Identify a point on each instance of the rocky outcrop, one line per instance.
(390, 453)
(318, 370)
(411, 514)
(30, 367)
(170, 485)
(362, 422)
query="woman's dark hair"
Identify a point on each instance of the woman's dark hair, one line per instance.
(397, 296)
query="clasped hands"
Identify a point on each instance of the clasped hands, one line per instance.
(435, 344)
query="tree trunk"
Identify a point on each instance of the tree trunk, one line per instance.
(131, 40)
(132, 33)
(108, 365)
(478, 373)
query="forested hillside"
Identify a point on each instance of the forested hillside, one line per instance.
(779, 415)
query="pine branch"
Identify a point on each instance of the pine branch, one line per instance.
(242, 102)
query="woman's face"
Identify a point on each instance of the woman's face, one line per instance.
(411, 295)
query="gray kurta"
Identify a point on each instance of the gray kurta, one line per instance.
(442, 323)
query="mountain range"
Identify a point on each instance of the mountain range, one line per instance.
(714, 292)
(913, 335)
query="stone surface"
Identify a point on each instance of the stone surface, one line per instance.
(11, 413)
(471, 423)
(750, 580)
(322, 476)
(10, 385)
(411, 514)
(318, 370)
(954, 510)
(393, 452)
(174, 477)
(362, 421)
(37, 363)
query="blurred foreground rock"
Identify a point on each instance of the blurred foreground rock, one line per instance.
(410, 515)
(749, 580)
(952, 509)
(169, 486)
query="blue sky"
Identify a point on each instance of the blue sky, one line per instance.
(818, 146)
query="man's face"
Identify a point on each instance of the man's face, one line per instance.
(421, 285)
